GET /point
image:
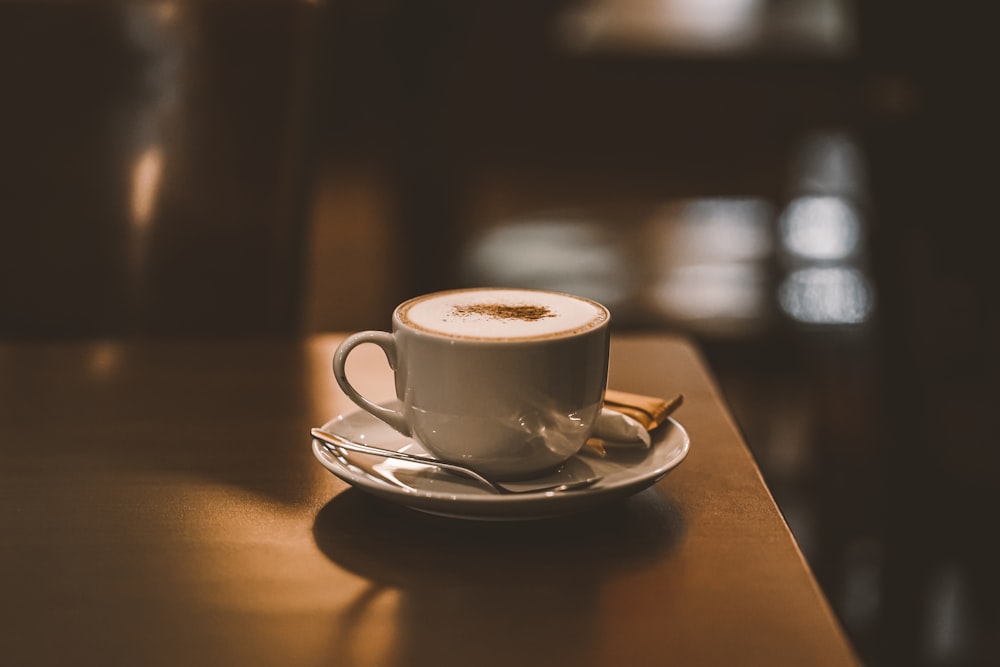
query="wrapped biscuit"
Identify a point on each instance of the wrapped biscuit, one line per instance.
(627, 419)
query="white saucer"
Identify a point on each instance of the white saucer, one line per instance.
(624, 471)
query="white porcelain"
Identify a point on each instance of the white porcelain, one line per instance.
(431, 490)
(512, 408)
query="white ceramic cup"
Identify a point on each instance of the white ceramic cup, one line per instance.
(509, 381)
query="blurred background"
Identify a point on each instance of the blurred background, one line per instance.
(802, 186)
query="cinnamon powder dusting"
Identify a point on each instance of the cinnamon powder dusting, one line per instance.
(500, 311)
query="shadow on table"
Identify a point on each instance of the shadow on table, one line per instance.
(464, 584)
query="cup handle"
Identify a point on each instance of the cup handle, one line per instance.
(384, 340)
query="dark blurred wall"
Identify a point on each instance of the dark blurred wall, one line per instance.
(934, 154)
(152, 167)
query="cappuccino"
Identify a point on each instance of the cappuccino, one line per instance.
(502, 314)
(509, 381)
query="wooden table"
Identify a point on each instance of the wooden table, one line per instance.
(160, 505)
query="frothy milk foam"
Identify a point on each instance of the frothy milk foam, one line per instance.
(502, 314)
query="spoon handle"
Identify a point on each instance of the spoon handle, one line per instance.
(343, 443)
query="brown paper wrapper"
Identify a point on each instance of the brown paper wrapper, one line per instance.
(649, 411)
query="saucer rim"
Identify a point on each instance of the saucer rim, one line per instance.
(449, 504)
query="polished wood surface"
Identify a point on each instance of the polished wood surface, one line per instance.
(160, 505)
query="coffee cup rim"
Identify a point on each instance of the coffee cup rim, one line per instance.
(589, 328)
